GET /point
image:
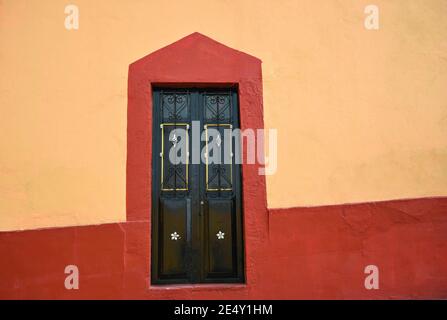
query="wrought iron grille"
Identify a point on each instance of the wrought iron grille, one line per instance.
(175, 114)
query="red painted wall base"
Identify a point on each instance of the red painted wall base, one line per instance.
(311, 253)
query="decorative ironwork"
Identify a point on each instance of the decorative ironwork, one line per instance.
(174, 177)
(218, 108)
(175, 106)
(218, 176)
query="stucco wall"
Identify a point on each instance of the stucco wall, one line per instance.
(307, 253)
(361, 114)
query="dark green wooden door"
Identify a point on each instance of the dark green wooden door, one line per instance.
(196, 200)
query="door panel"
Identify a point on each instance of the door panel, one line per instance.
(173, 238)
(220, 251)
(197, 207)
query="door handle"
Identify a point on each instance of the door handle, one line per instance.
(201, 208)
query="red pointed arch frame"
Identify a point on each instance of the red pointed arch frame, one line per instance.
(196, 60)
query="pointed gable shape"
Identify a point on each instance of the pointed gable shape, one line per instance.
(198, 58)
(195, 60)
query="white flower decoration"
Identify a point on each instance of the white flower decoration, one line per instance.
(175, 236)
(220, 235)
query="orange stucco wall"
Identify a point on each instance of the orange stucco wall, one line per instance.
(360, 114)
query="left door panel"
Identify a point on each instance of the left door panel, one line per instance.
(171, 229)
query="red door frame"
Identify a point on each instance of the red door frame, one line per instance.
(196, 60)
